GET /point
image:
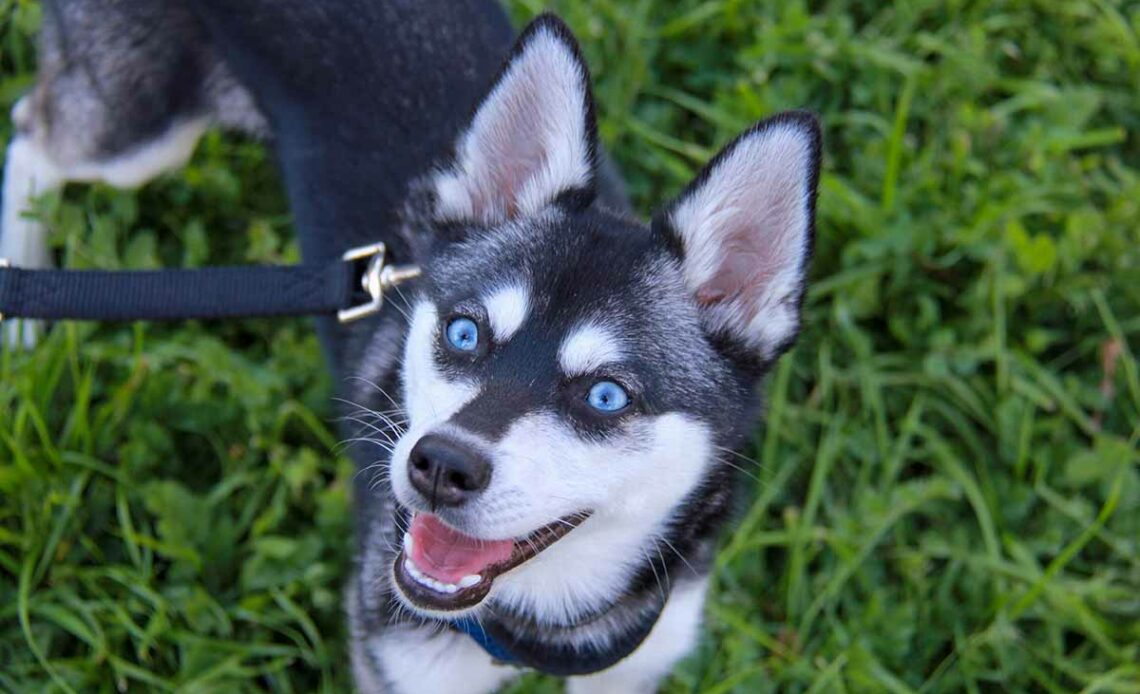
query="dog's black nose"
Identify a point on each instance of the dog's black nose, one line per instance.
(447, 472)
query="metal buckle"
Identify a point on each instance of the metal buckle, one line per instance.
(3, 263)
(377, 278)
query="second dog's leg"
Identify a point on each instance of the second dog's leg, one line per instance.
(28, 172)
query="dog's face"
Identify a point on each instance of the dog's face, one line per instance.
(574, 379)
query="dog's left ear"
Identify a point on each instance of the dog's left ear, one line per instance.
(744, 230)
(533, 139)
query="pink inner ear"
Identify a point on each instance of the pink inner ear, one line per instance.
(516, 155)
(742, 267)
(755, 245)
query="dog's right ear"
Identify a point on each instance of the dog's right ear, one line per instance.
(533, 139)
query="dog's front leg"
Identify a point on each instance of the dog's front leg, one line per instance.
(28, 173)
(672, 638)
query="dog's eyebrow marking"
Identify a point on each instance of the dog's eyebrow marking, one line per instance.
(587, 348)
(507, 308)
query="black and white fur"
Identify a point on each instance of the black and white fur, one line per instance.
(386, 129)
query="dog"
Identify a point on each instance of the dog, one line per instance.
(551, 416)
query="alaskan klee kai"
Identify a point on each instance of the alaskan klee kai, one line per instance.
(556, 412)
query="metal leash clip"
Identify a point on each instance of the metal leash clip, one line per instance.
(377, 278)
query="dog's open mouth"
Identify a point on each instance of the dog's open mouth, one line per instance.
(440, 568)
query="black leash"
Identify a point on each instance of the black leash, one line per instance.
(352, 288)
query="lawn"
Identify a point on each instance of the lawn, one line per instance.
(947, 492)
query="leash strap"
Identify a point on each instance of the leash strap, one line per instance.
(217, 292)
(222, 292)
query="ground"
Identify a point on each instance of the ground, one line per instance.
(947, 496)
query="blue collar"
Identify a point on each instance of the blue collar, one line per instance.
(471, 627)
(562, 660)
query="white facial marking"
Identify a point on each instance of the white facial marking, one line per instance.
(587, 348)
(544, 470)
(430, 398)
(506, 310)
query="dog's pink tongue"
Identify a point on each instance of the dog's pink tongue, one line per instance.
(448, 555)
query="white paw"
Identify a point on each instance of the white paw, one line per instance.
(21, 334)
(23, 239)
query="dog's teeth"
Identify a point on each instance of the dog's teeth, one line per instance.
(427, 581)
(409, 544)
(441, 587)
(470, 580)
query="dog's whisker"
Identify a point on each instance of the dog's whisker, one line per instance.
(738, 454)
(348, 443)
(378, 474)
(653, 567)
(376, 387)
(664, 566)
(663, 586)
(369, 425)
(399, 294)
(345, 401)
(342, 445)
(376, 477)
(389, 436)
(679, 555)
(363, 412)
(391, 420)
(367, 429)
(739, 469)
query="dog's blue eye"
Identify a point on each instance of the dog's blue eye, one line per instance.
(607, 396)
(463, 334)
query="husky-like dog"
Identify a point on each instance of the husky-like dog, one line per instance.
(558, 406)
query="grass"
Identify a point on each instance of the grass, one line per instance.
(948, 493)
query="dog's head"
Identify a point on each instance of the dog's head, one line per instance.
(574, 380)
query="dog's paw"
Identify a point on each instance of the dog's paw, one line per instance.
(21, 334)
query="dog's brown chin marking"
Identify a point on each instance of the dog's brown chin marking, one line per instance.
(524, 550)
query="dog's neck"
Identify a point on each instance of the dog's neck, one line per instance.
(591, 644)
